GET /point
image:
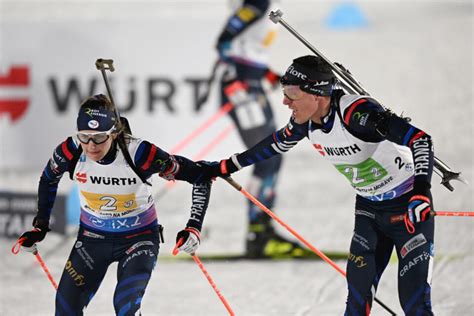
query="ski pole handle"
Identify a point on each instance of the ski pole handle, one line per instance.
(106, 64)
(349, 81)
(103, 65)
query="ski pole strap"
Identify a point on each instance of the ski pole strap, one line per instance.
(176, 247)
(17, 246)
(203, 98)
(408, 224)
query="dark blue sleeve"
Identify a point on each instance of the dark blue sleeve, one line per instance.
(369, 121)
(246, 15)
(200, 199)
(151, 159)
(279, 142)
(52, 173)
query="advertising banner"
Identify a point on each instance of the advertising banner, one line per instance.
(17, 211)
(163, 55)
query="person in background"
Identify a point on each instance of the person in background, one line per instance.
(388, 162)
(243, 45)
(118, 220)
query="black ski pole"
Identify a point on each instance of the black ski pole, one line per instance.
(203, 98)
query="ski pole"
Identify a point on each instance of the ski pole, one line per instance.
(16, 249)
(448, 213)
(254, 200)
(183, 143)
(350, 83)
(353, 86)
(210, 81)
(208, 277)
(103, 65)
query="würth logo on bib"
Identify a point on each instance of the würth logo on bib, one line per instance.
(113, 181)
(342, 151)
(13, 99)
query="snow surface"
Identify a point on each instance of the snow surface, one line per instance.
(416, 57)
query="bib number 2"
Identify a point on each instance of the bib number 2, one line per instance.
(364, 173)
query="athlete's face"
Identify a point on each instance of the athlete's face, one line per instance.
(305, 106)
(94, 151)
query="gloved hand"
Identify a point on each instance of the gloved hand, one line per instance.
(37, 234)
(224, 168)
(419, 207)
(189, 239)
(223, 49)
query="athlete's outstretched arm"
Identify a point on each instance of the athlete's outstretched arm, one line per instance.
(277, 143)
(151, 159)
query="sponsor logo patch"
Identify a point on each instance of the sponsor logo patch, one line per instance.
(396, 218)
(138, 244)
(319, 148)
(421, 258)
(364, 213)
(79, 279)
(93, 124)
(412, 244)
(358, 260)
(81, 177)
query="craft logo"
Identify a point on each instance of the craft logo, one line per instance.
(13, 103)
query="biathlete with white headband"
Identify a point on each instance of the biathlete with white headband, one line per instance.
(388, 162)
(118, 220)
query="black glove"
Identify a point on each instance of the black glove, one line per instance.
(419, 206)
(37, 234)
(213, 169)
(189, 239)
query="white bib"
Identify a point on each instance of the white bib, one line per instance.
(378, 171)
(113, 198)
